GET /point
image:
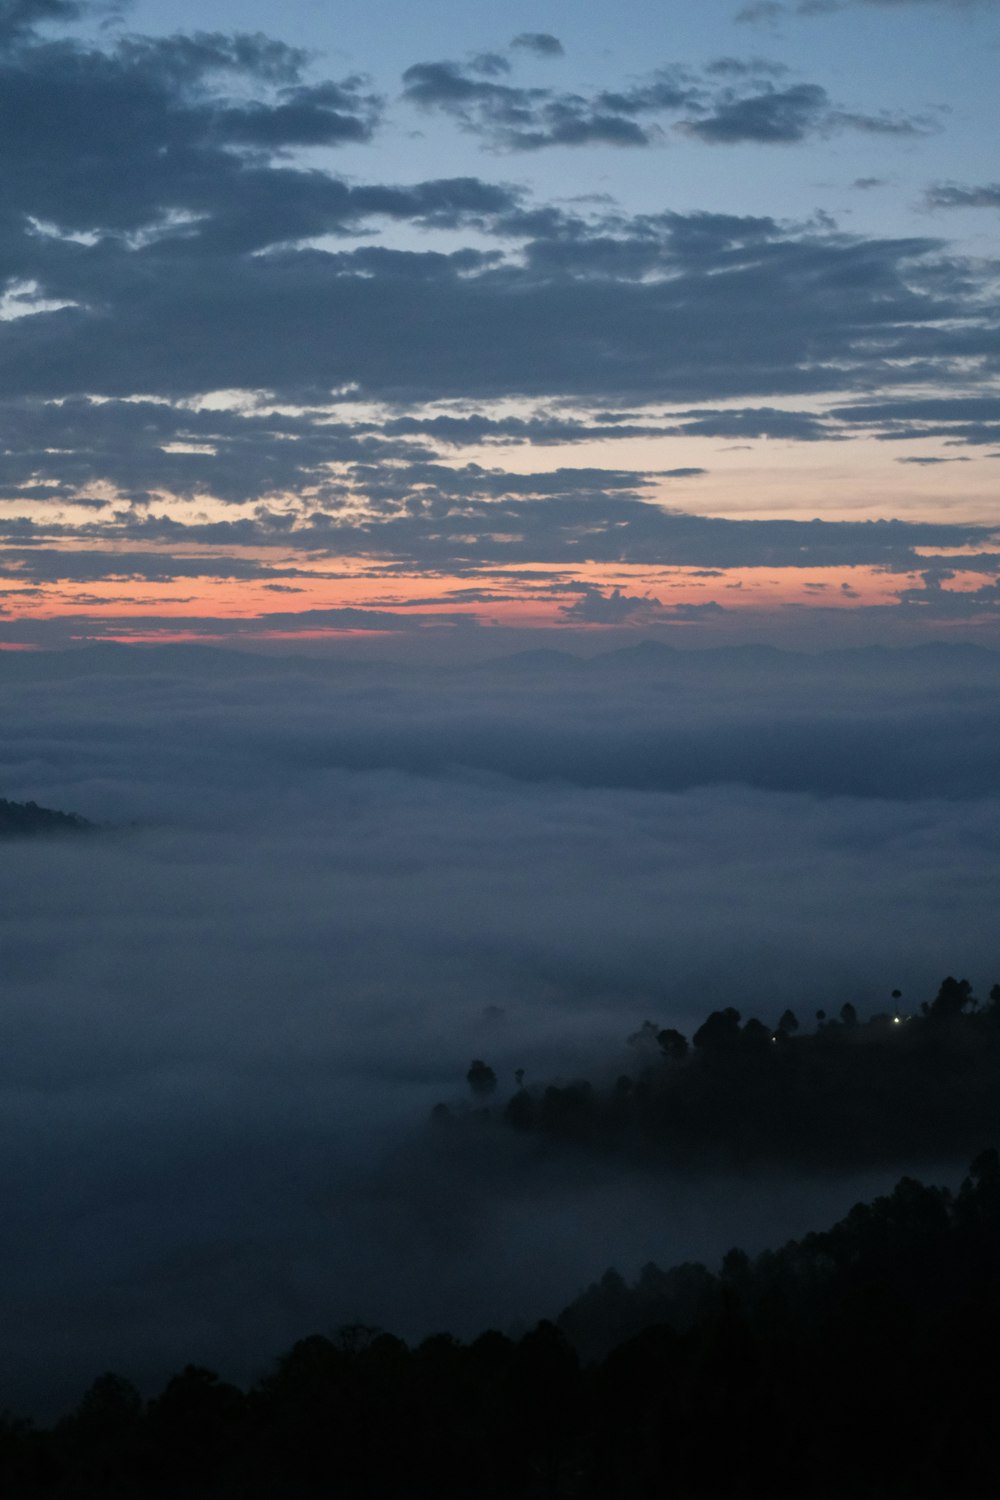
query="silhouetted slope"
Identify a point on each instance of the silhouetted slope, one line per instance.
(26, 819)
(860, 1361)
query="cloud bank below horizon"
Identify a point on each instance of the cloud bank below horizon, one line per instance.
(228, 1023)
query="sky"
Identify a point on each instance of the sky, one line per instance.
(417, 331)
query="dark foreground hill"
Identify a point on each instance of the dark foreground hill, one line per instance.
(27, 819)
(858, 1362)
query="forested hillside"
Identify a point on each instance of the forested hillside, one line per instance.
(860, 1361)
(891, 1089)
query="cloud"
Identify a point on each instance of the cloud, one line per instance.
(319, 115)
(620, 315)
(958, 419)
(512, 118)
(929, 462)
(482, 518)
(787, 116)
(954, 195)
(746, 67)
(761, 12)
(170, 158)
(538, 43)
(596, 608)
(776, 116)
(144, 448)
(190, 226)
(931, 596)
(806, 5)
(149, 451)
(20, 17)
(756, 422)
(518, 118)
(767, 12)
(429, 517)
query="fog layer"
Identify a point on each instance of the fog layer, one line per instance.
(324, 889)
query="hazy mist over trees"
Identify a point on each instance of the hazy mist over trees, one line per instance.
(850, 1093)
(323, 888)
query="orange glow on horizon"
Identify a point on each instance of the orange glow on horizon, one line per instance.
(528, 596)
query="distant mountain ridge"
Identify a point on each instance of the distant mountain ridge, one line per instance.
(26, 819)
(115, 659)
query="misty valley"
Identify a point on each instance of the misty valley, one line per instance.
(499, 1042)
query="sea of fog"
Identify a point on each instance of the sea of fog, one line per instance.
(324, 887)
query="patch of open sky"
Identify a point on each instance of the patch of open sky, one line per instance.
(944, 52)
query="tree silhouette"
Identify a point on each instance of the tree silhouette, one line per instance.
(852, 1091)
(951, 999)
(672, 1044)
(481, 1079)
(719, 1032)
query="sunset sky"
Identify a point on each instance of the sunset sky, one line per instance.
(439, 328)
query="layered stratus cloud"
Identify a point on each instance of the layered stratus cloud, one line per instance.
(239, 355)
